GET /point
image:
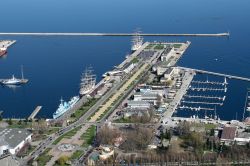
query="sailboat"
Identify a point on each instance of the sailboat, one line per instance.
(137, 42)
(88, 81)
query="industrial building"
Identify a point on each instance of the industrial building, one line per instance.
(12, 140)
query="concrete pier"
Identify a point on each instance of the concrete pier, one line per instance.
(201, 102)
(216, 74)
(6, 43)
(35, 112)
(205, 97)
(196, 108)
(109, 34)
(208, 89)
(188, 77)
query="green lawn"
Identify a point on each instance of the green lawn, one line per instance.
(150, 46)
(123, 120)
(76, 155)
(44, 157)
(88, 136)
(135, 60)
(177, 45)
(69, 134)
(159, 47)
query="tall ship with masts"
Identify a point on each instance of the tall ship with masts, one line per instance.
(137, 41)
(88, 81)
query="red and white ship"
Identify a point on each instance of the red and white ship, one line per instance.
(3, 51)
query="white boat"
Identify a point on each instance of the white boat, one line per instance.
(12, 81)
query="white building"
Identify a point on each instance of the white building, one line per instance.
(170, 72)
(138, 104)
(147, 96)
(12, 140)
(242, 138)
(167, 54)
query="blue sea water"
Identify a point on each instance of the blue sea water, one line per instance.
(54, 64)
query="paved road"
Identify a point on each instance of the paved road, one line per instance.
(47, 142)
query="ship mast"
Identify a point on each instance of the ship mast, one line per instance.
(88, 80)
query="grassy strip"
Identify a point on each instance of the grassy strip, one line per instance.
(159, 47)
(177, 45)
(69, 134)
(76, 155)
(123, 120)
(88, 136)
(51, 130)
(13, 123)
(135, 60)
(44, 158)
(150, 46)
(79, 113)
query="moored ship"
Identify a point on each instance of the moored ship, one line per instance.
(14, 80)
(3, 51)
(65, 106)
(137, 42)
(88, 81)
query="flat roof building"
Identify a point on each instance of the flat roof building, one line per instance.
(228, 134)
(139, 104)
(12, 140)
(147, 96)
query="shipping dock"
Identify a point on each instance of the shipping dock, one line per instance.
(6, 43)
(205, 97)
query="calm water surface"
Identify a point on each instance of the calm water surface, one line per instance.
(54, 64)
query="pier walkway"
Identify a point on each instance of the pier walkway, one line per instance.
(35, 112)
(188, 77)
(108, 34)
(216, 74)
(205, 97)
(201, 102)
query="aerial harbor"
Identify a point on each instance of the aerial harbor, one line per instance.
(130, 83)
